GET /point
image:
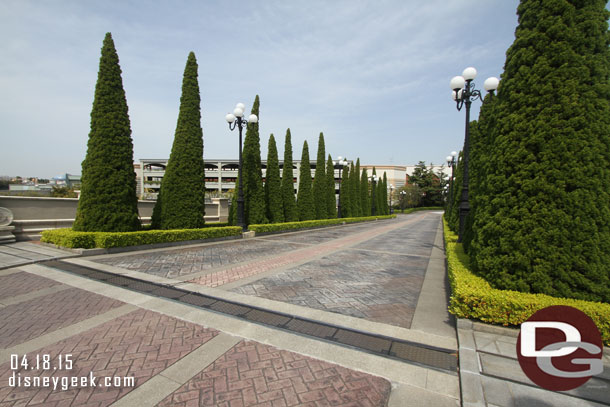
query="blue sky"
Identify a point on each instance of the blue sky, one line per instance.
(372, 75)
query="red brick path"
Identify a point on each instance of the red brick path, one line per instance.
(22, 283)
(27, 320)
(253, 374)
(259, 266)
(140, 344)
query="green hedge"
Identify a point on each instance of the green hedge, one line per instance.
(90, 240)
(473, 297)
(421, 208)
(277, 227)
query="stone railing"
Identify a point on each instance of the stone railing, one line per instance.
(32, 215)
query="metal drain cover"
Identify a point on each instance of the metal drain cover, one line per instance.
(197, 300)
(228, 308)
(364, 341)
(430, 357)
(168, 293)
(268, 318)
(310, 328)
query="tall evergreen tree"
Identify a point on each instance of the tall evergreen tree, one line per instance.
(352, 181)
(365, 201)
(331, 200)
(453, 216)
(273, 196)
(319, 182)
(374, 195)
(547, 228)
(357, 205)
(379, 197)
(288, 203)
(386, 208)
(344, 193)
(305, 204)
(181, 202)
(108, 200)
(254, 193)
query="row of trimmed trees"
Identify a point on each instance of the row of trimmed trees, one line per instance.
(539, 168)
(272, 200)
(108, 201)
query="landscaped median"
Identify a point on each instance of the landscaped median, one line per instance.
(279, 227)
(473, 297)
(105, 240)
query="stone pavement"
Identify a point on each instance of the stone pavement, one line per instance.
(490, 374)
(20, 253)
(180, 355)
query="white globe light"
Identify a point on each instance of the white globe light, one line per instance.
(457, 82)
(454, 153)
(449, 158)
(241, 106)
(339, 158)
(230, 118)
(469, 73)
(491, 84)
(252, 118)
(238, 112)
(459, 94)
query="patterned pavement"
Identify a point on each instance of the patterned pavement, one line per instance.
(141, 345)
(253, 374)
(378, 279)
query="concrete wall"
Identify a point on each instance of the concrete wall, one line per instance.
(32, 215)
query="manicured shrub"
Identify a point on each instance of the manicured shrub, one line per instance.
(331, 200)
(90, 240)
(273, 196)
(254, 193)
(305, 206)
(108, 200)
(278, 227)
(544, 225)
(319, 182)
(181, 201)
(473, 297)
(288, 202)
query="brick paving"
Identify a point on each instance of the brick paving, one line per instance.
(253, 374)
(140, 345)
(181, 262)
(39, 316)
(358, 283)
(16, 284)
(252, 268)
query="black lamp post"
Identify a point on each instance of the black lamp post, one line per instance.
(464, 92)
(374, 179)
(236, 119)
(341, 162)
(451, 163)
(402, 200)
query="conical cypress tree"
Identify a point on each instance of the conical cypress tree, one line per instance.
(386, 208)
(374, 197)
(546, 228)
(352, 181)
(254, 193)
(320, 182)
(305, 204)
(365, 201)
(379, 197)
(182, 203)
(331, 200)
(273, 196)
(357, 205)
(108, 200)
(288, 203)
(344, 193)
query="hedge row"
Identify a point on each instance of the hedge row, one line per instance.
(90, 240)
(421, 208)
(278, 227)
(473, 297)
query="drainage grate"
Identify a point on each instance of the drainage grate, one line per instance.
(370, 342)
(424, 356)
(438, 358)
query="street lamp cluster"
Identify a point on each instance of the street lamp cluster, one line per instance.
(463, 93)
(236, 119)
